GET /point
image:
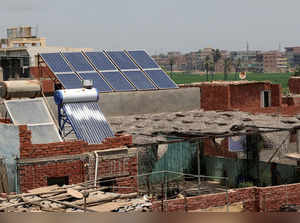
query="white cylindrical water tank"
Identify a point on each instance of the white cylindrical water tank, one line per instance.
(76, 95)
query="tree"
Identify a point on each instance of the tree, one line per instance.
(206, 66)
(227, 66)
(297, 71)
(171, 62)
(237, 67)
(216, 58)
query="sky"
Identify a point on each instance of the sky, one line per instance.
(158, 26)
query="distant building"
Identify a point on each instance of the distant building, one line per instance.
(275, 62)
(293, 56)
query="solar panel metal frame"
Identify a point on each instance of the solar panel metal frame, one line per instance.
(136, 62)
(137, 68)
(135, 83)
(161, 88)
(133, 88)
(64, 85)
(85, 61)
(52, 123)
(108, 54)
(56, 72)
(82, 74)
(81, 125)
(96, 66)
(116, 70)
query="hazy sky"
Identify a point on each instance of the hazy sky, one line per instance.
(158, 25)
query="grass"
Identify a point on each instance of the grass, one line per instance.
(282, 78)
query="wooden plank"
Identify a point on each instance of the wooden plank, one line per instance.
(44, 189)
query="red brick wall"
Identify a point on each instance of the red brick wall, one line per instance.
(210, 149)
(35, 175)
(247, 95)
(254, 199)
(217, 96)
(47, 86)
(276, 95)
(294, 85)
(40, 72)
(5, 121)
(212, 200)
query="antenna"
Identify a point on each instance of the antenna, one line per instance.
(279, 47)
(37, 30)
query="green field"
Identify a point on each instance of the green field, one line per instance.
(183, 78)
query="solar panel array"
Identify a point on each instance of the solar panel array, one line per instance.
(110, 71)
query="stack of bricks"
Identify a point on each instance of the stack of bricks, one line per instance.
(36, 174)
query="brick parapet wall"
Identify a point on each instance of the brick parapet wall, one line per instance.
(36, 174)
(254, 199)
(294, 85)
(245, 97)
(29, 150)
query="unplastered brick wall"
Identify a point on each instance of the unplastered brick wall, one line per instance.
(236, 95)
(294, 85)
(36, 174)
(254, 199)
(213, 148)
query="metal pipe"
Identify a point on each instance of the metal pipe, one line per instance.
(96, 167)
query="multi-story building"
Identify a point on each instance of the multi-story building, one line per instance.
(275, 62)
(293, 56)
(249, 60)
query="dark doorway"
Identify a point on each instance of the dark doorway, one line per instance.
(266, 100)
(60, 181)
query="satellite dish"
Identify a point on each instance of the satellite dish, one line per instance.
(243, 75)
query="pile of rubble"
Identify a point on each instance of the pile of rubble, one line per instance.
(72, 198)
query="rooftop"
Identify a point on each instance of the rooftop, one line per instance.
(152, 128)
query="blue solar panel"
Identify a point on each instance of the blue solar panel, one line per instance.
(122, 60)
(56, 62)
(88, 122)
(140, 81)
(100, 61)
(69, 81)
(78, 61)
(161, 79)
(143, 59)
(117, 81)
(99, 82)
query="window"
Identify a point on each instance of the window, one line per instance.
(60, 181)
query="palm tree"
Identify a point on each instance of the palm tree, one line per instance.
(227, 66)
(216, 58)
